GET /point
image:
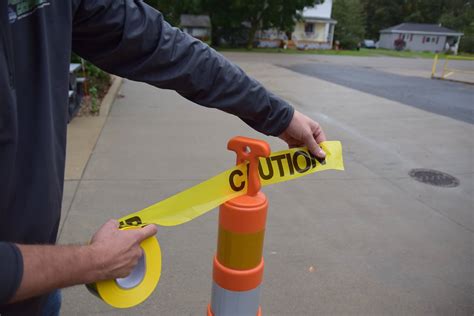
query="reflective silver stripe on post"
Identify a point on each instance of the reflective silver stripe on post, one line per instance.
(232, 303)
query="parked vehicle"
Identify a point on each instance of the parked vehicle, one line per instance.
(368, 44)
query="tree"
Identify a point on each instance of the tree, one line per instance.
(467, 42)
(423, 11)
(381, 14)
(225, 20)
(459, 16)
(350, 28)
(253, 15)
(172, 9)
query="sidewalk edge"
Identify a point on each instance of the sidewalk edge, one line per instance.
(109, 98)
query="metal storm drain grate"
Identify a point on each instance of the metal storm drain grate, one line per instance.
(434, 177)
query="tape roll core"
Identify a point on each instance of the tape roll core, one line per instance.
(135, 277)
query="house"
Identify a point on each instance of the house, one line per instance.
(198, 26)
(315, 30)
(420, 37)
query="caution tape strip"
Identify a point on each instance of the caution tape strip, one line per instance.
(187, 205)
(279, 167)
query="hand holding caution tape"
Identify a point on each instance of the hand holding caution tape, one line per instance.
(304, 132)
(193, 202)
(119, 251)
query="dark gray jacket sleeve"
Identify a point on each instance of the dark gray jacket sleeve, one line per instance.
(131, 39)
(11, 271)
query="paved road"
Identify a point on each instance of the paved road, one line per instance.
(366, 241)
(454, 100)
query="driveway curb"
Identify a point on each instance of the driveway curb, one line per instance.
(109, 98)
(83, 133)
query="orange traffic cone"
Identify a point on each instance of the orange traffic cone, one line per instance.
(238, 264)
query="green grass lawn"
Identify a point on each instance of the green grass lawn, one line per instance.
(362, 52)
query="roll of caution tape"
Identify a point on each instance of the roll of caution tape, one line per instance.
(185, 206)
(136, 287)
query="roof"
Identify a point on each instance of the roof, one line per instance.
(420, 28)
(195, 20)
(322, 9)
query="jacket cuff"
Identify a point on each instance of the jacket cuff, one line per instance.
(285, 117)
(11, 271)
(275, 117)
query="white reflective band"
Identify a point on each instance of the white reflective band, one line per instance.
(232, 303)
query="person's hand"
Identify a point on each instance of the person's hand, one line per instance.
(303, 131)
(116, 252)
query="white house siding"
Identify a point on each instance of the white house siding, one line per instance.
(321, 36)
(270, 38)
(198, 32)
(414, 42)
(387, 40)
(319, 32)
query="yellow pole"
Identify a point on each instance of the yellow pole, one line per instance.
(444, 68)
(433, 69)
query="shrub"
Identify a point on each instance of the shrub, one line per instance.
(467, 44)
(95, 87)
(399, 44)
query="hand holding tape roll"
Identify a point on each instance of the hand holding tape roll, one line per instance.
(185, 206)
(136, 287)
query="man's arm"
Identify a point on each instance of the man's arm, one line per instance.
(131, 39)
(111, 254)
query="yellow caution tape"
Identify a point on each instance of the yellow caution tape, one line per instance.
(185, 206)
(280, 166)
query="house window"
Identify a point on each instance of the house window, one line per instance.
(411, 37)
(428, 39)
(308, 27)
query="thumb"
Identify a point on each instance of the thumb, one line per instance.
(147, 231)
(313, 147)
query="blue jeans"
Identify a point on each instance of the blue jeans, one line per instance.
(52, 306)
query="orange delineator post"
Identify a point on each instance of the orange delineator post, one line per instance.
(238, 264)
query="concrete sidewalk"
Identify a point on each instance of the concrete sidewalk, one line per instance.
(367, 241)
